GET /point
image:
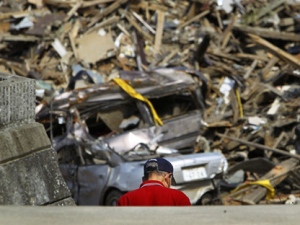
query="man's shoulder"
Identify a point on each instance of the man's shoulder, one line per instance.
(182, 196)
(176, 191)
(123, 200)
(132, 193)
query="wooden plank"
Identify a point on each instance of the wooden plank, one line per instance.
(219, 53)
(9, 37)
(251, 56)
(138, 28)
(198, 17)
(73, 45)
(168, 57)
(250, 70)
(145, 5)
(220, 22)
(287, 21)
(143, 22)
(277, 51)
(75, 29)
(123, 29)
(59, 3)
(73, 10)
(110, 21)
(4, 27)
(159, 30)
(227, 33)
(108, 10)
(268, 33)
(95, 2)
(21, 14)
(260, 146)
(191, 12)
(266, 70)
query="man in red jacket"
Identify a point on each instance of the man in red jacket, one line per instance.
(155, 189)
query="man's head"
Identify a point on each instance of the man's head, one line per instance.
(159, 169)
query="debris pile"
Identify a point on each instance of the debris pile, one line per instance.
(245, 56)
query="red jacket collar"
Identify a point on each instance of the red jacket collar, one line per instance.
(151, 183)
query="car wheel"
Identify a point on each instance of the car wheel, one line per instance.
(206, 199)
(113, 197)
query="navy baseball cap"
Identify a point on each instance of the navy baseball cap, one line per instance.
(159, 164)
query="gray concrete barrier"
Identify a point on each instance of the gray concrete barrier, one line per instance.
(212, 215)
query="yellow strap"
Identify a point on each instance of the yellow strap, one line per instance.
(267, 185)
(129, 90)
(264, 183)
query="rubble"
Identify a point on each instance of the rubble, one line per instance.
(244, 57)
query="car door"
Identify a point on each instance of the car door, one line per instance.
(69, 173)
(85, 175)
(91, 180)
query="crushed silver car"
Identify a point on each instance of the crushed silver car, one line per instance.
(106, 109)
(99, 171)
(103, 135)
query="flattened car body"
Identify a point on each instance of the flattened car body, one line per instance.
(98, 169)
(101, 176)
(106, 108)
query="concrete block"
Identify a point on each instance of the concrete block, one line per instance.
(22, 140)
(17, 99)
(32, 180)
(64, 202)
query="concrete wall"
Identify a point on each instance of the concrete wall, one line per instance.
(29, 170)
